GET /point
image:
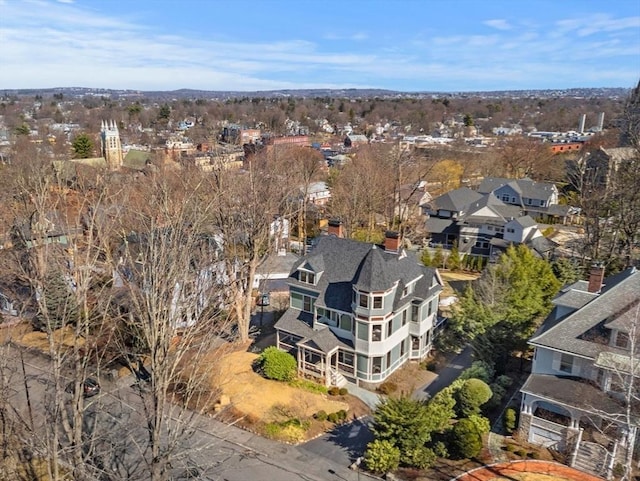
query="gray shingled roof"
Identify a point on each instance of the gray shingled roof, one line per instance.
(526, 221)
(296, 322)
(435, 225)
(571, 392)
(348, 263)
(325, 340)
(574, 298)
(490, 201)
(525, 187)
(619, 291)
(456, 200)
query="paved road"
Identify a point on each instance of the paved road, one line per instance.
(218, 451)
(344, 444)
(447, 375)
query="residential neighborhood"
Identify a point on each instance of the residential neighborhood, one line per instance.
(319, 284)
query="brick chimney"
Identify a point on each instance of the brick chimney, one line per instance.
(596, 277)
(335, 228)
(391, 241)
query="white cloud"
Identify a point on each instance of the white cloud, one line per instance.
(66, 44)
(498, 23)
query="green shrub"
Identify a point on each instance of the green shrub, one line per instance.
(334, 391)
(333, 418)
(321, 415)
(420, 457)
(310, 386)
(465, 440)
(520, 452)
(272, 430)
(387, 388)
(497, 396)
(343, 391)
(440, 449)
(481, 423)
(381, 457)
(510, 447)
(276, 364)
(471, 396)
(342, 415)
(535, 455)
(431, 365)
(510, 420)
(504, 381)
(479, 370)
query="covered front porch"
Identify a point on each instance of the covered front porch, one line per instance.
(327, 357)
(573, 416)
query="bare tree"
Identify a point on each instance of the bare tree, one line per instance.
(248, 204)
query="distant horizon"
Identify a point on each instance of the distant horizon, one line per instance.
(183, 89)
(404, 46)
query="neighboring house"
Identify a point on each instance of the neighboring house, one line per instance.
(46, 229)
(411, 201)
(574, 400)
(444, 211)
(523, 230)
(358, 311)
(536, 199)
(482, 225)
(481, 221)
(272, 274)
(198, 288)
(355, 140)
(318, 193)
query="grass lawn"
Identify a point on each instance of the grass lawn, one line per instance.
(275, 408)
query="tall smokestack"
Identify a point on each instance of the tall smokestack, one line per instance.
(600, 121)
(583, 119)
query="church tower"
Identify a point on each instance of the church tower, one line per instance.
(110, 144)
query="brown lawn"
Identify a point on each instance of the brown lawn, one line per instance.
(62, 338)
(254, 395)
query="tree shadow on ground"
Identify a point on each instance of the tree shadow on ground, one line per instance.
(352, 437)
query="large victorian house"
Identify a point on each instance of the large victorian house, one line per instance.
(582, 394)
(358, 311)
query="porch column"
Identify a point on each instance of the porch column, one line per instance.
(574, 451)
(300, 366)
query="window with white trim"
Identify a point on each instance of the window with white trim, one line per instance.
(307, 277)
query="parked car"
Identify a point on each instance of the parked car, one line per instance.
(90, 387)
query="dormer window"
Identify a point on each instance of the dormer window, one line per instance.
(307, 277)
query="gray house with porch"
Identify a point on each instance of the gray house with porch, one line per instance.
(358, 311)
(582, 395)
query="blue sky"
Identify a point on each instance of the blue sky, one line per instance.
(407, 45)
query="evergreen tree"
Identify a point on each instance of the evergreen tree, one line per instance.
(57, 305)
(501, 310)
(453, 261)
(438, 258)
(425, 258)
(82, 147)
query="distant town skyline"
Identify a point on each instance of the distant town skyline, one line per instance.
(404, 45)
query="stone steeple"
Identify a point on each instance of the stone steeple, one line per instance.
(110, 144)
